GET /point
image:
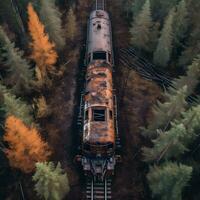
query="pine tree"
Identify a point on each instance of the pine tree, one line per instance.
(180, 22)
(71, 25)
(166, 112)
(15, 106)
(8, 15)
(141, 28)
(20, 73)
(25, 145)
(161, 8)
(175, 142)
(43, 52)
(51, 17)
(167, 145)
(51, 182)
(168, 180)
(163, 51)
(192, 48)
(136, 6)
(191, 79)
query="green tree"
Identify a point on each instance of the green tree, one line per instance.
(161, 8)
(20, 74)
(51, 18)
(175, 141)
(168, 180)
(135, 6)
(166, 145)
(164, 48)
(141, 28)
(180, 22)
(191, 79)
(15, 106)
(51, 182)
(192, 48)
(166, 112)
(9, 15)
(71, 25)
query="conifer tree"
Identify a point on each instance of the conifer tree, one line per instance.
(141, 28)
(25, 145)
(51, 182)
(192, 48)
(168, 180)
(161, 8)
(164, 48)
(180, 22)
(175, 142)
(43, 52)
(135, 6)
(166, 112)
(15, 106)
(191, 79)
(20, 73)
(51, 17)
(167, 145)
(8, 15)
(71, 25)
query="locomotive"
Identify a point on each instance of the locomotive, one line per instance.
(98, 156)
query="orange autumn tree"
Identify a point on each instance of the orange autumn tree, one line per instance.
(25, 145)
(43, 52)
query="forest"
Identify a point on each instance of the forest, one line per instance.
(42, 46)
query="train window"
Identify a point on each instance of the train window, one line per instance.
(86, 115)
(109, 57)
(100, 55)
(99, 115)
(89, 57)
(86, 147)
(110, 146)
(111, 114)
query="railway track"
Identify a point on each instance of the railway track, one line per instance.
(128, 58)
(96, 190)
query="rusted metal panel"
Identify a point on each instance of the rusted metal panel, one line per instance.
(99, 93)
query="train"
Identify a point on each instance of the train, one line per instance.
(98, 150)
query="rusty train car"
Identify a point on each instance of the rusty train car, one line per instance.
(98, 157)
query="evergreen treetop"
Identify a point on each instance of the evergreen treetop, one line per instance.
(164, 48)
(142, 27)
(166, 112)
(51, 181)
(175, 141)
(15, 106)
(51, 18)
(20, 73)
(168, 180)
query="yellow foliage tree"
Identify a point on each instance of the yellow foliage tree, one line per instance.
(25, 145)
(43, 52)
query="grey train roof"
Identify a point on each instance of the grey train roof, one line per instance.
(99, 33)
